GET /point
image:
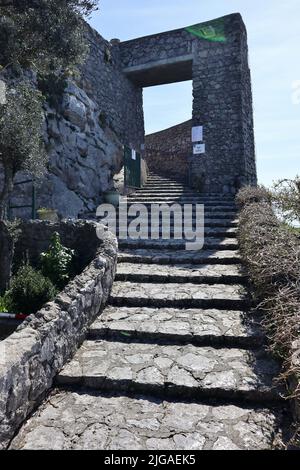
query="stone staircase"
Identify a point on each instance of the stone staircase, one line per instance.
(176, 361)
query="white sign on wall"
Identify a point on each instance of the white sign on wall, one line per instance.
(133, 154)
(199, 149)
(197, 134)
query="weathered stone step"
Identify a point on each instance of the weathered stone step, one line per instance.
(165, 257)
(155, 273)
(84, 421)
(209, 215)
(208, 223)
(227, 328)
(209, 209)
(186, 371)
(155, 191)
(229, 232)
(158, 186)
(162, 199)
(176, 295)
(159, 179)
(210, 244)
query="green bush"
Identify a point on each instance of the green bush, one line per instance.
(29, 291)
(56, 263)
(3, 305)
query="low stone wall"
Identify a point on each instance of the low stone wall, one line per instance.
(167, 151)
(32, 356)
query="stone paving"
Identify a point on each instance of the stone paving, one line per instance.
(176, 361)
(90, 421)
(181, 273)
(195, 326)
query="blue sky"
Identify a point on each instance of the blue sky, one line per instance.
(274, 43)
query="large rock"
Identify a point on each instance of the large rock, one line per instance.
(75, 111)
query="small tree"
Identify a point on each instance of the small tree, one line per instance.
(46, 35)
(286, 196)
(21, 146)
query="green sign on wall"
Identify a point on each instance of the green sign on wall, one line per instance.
(210, 31)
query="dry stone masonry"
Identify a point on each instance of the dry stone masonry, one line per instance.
(176, 361)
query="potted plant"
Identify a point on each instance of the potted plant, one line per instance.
(112, 197)
(47, 214)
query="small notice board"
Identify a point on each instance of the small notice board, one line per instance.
(198, 149)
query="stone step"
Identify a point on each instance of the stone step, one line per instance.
(210, 244)
(158, 186)
(166, 257)
(164, 179)
(209, 215)
(208, 231)
(84, 421)
(181, 273)
(227, 328)
(161, 199)
(208, 209)
(208, 223)
(175, 295)
(170, 371)
(165, 192)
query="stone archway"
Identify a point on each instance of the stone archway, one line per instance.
(215, 56)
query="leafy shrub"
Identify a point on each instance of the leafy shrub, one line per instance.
(250, 195)
(52, 87)
(3, 305)
(29, 291)
(56, 263)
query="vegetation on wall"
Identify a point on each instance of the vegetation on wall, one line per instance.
(286, 197)
(45, 37)
(21, 146)
(272, 255)
(56, 262)
(29, 291)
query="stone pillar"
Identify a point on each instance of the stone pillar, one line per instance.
(223, 105)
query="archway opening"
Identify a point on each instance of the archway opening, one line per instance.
(168, 122)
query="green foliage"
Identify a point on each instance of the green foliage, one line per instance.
(286, 197)
(29, 291)
(57, 262)
(21, 146)
(52, 87)
(3, 305)
(21, 149)
(47, 35)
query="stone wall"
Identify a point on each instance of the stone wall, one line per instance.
(32, 356)
(85, 135)
(223, 104)
(168, 151)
